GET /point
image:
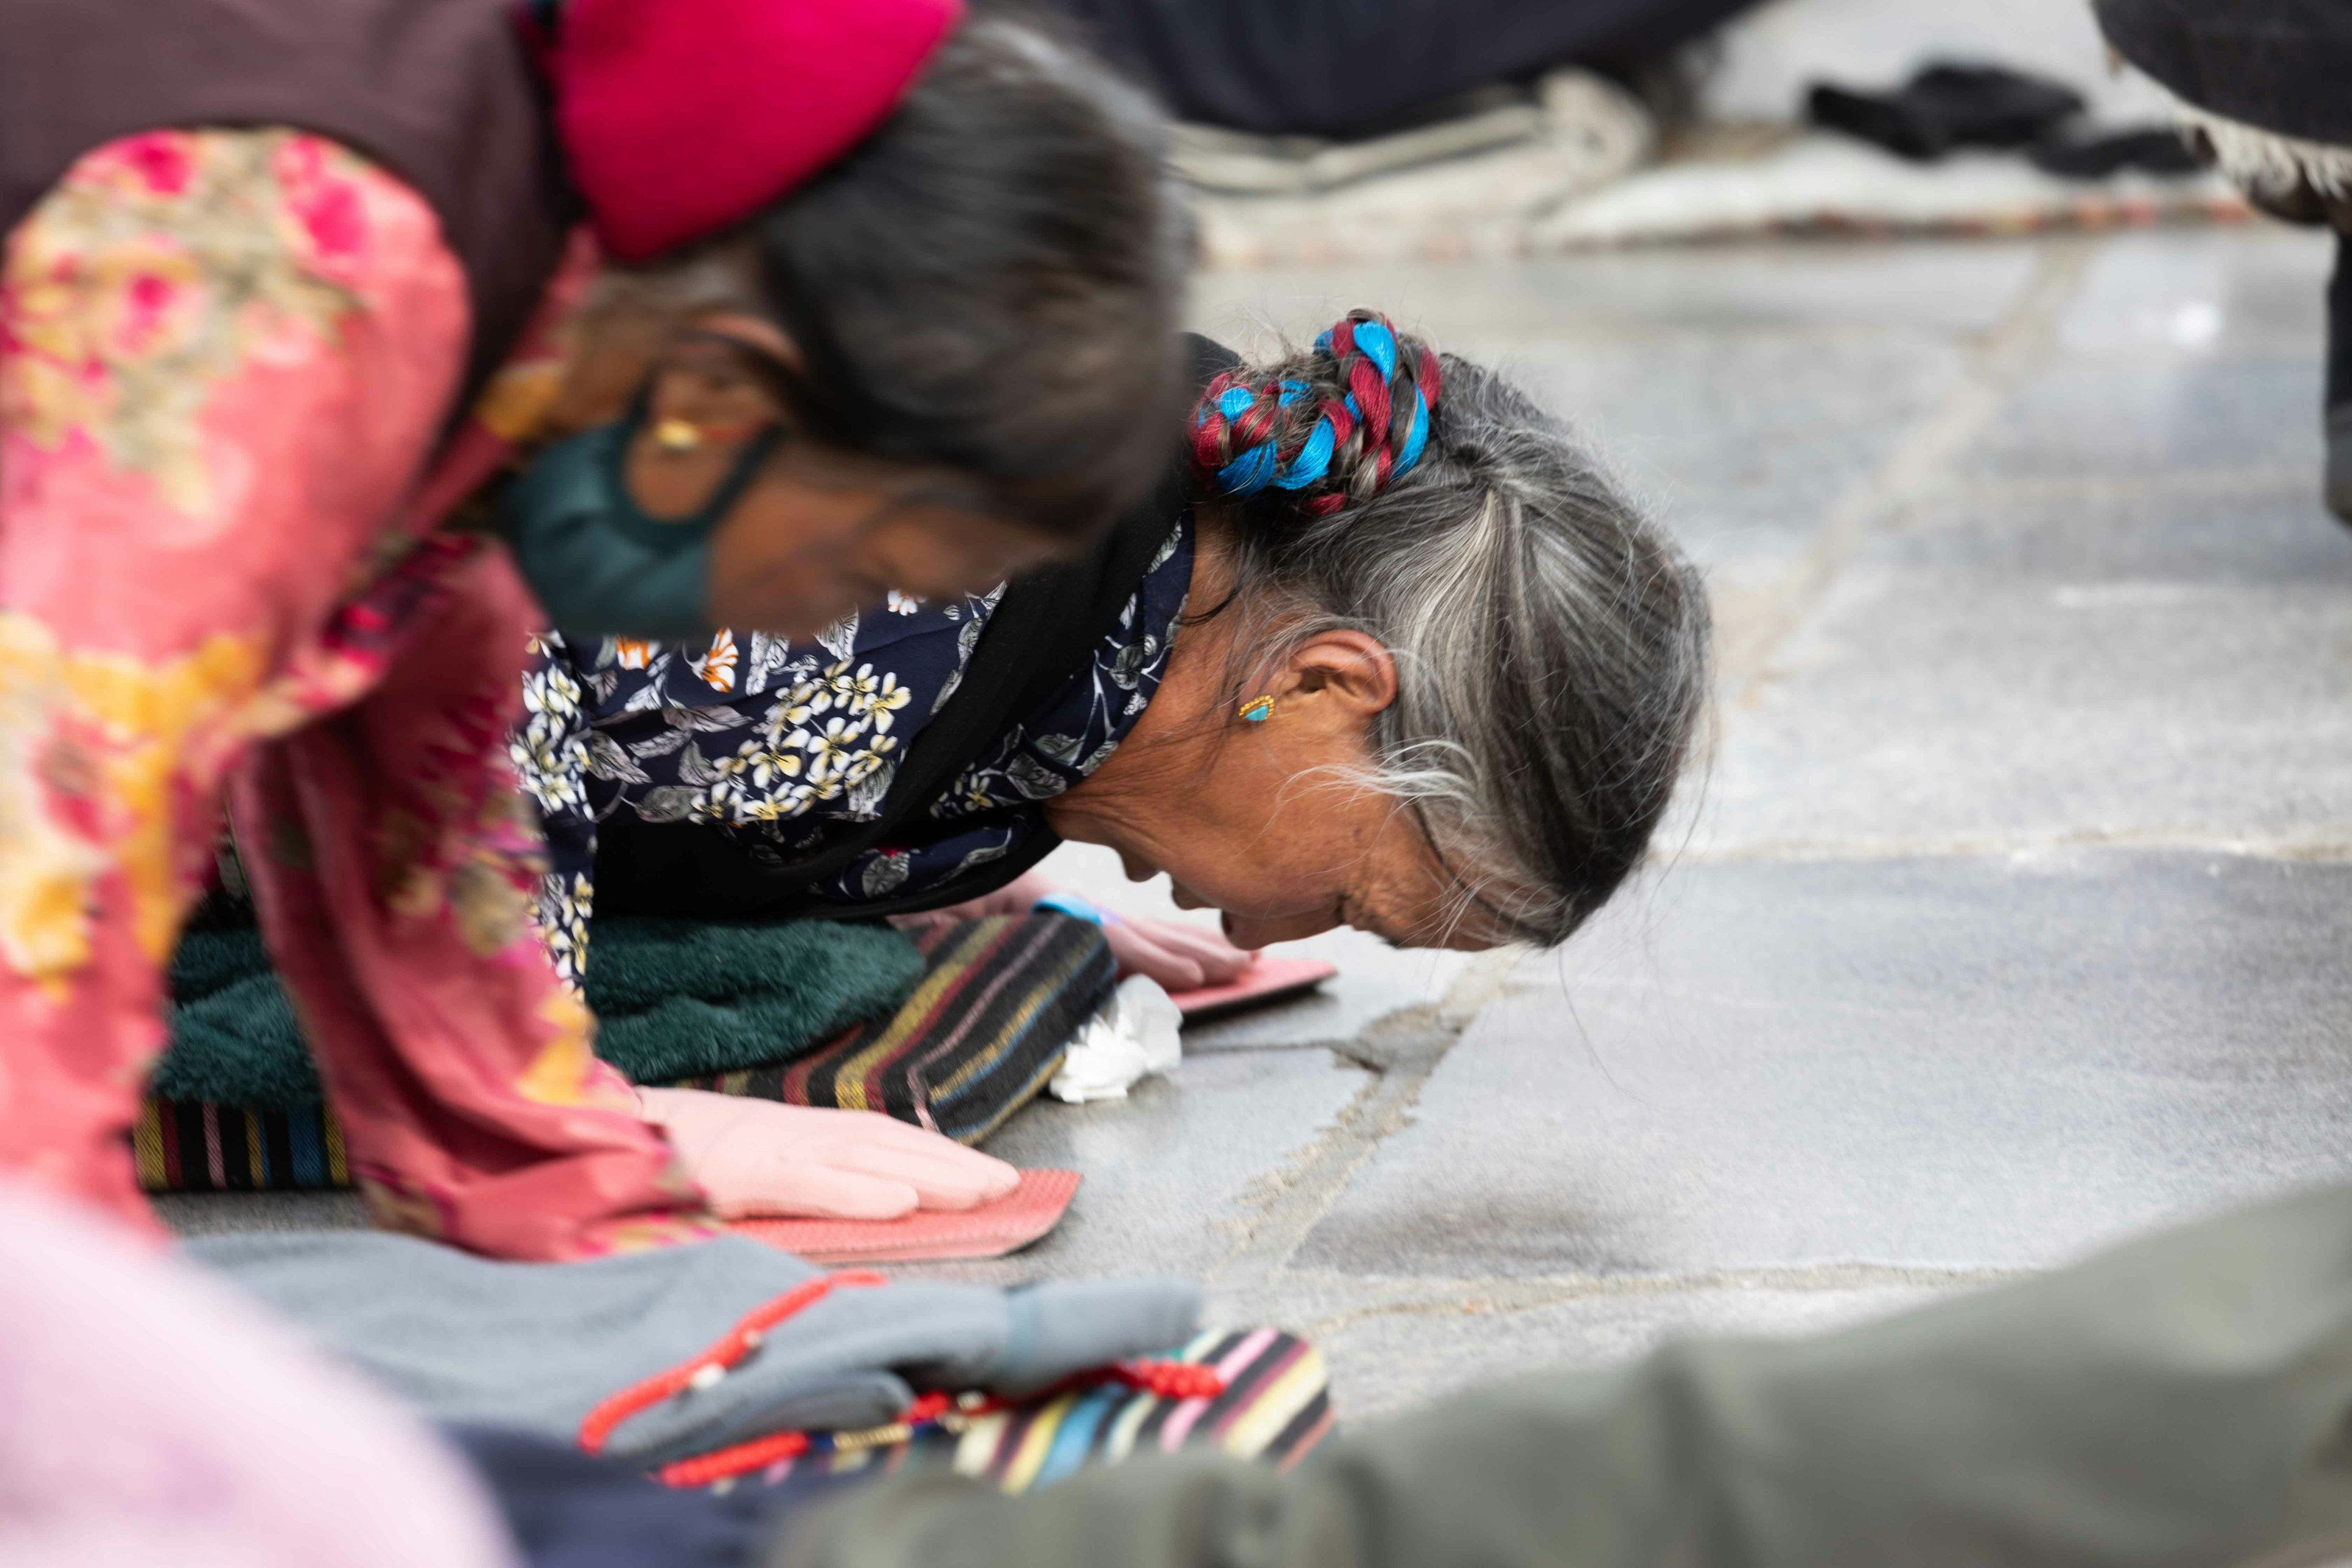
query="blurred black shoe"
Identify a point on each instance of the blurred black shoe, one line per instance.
(1948, 105)
(2095, 154)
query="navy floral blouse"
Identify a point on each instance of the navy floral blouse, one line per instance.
(778, 743)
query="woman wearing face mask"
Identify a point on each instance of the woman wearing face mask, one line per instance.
(286, 284)
(1385, 649)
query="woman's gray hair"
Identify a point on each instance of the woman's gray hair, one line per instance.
(1551, 643)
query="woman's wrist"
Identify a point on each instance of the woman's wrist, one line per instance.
(1076, 906)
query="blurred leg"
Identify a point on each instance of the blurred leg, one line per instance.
(2339, 380)
(1351, 68)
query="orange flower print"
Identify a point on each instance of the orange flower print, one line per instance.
(717, 667)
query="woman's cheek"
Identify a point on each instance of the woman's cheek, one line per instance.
(1244, 932)
(1264, 893)
(776, 605)
(760, 582)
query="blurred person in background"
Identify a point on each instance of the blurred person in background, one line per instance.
(1348, 68)
(2264, 89)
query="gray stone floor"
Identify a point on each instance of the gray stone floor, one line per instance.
(2009, 916)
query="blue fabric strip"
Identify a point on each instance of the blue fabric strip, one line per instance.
(1076, 1436)
(302, 1145)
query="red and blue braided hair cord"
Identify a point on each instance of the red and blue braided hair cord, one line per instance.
(1243, 444)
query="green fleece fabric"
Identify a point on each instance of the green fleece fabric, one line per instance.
(673, 999)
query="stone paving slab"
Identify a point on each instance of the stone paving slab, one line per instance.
(1397, 1352)
(1931, 287)
(1744, 443)
(2098, 663)
(1943, 1064)
(2129, 416)
(221, 1213)
(2231, 291)
(1171, 1170)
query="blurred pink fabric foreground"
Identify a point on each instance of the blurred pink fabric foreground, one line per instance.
(147, 1417)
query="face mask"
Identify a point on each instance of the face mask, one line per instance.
(601, 565)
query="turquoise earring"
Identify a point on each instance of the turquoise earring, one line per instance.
(1258, 709)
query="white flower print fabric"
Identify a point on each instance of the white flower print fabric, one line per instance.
(772, 741)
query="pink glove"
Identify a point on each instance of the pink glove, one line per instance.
(758, 1158)
(1181, 956)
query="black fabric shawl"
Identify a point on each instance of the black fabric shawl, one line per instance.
(2281, 66)
(1045, 626)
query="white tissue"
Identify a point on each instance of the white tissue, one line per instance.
(1137, 1032)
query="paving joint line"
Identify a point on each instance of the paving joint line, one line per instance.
(1402, 1050)
(1910, 473)
(1501, 1299)
(1483, 1297)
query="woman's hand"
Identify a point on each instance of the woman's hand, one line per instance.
(1180, 956)
(755, 1158)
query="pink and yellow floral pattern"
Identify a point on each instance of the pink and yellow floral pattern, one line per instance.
(226, 358)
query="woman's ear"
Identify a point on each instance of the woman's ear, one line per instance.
(617, 349)
(1351, 669)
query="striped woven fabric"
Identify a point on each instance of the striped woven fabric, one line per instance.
(1000, 1000)
(1275, 1408)
(196, 1148)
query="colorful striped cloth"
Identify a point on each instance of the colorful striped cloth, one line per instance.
(1275, 1408)
(999, 1001)
(188, 1147)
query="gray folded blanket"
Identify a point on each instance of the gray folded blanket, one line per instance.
(536, 1346)
(673, 999)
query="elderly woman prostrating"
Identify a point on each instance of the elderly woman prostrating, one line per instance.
(1386, 649)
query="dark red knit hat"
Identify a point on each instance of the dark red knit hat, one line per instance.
(679, 117)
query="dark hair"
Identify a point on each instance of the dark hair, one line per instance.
(991, 280)
(1550, 641)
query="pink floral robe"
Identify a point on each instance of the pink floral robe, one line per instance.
(226, 359)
